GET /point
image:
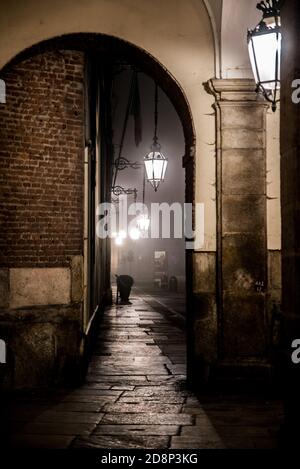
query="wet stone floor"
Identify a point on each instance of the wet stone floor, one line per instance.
(135, 396)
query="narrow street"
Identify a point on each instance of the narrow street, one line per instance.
(135, 395)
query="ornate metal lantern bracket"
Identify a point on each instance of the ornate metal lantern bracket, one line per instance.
(123, 163)
(119, 190)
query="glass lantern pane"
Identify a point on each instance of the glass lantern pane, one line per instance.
(266, 46)
(252, 60)
(158, 169)
(149, 169)
(164, 169)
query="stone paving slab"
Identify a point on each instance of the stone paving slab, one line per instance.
(129, 370)
(92, 390)
(90, 398)
(141, 360)
(135, 396)
(117, 379)
(156, 390)
(147, 406)
(156, 399)
(123, 388)
(122, 441)
(99, 400)
(148, 418)
(128, 430)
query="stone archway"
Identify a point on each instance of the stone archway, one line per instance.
(68, 52)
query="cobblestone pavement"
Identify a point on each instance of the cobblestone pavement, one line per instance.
(135, 396)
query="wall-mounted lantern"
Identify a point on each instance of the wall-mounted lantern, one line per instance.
(264, 43)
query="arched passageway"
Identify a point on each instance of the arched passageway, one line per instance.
(49, 311)
(58, 97)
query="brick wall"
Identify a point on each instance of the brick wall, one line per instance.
(41, 161)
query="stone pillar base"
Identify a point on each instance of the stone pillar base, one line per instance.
(43, 346)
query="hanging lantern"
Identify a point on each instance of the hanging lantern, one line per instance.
(156, 165)
(264, 44)
(155, 162)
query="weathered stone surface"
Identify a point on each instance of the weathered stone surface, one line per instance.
(238, 176)
(155, 411)
(243, 138)
(275, 292)
(41, 286)
(34, 354)
(137, 430)
(244, 326)
(4, 288)
(274, 270)
(243, 213)
(143, 407)
(87, 398)
(95, 390)
(42, 342)
(236, 116)
(147, 418)
(241, 194)
(154, 390)
(76, 278)
(204, 272)
(157, 399)
(242, 263)
(127, 370)
(122, 442)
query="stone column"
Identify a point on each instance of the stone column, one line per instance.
(242, 243)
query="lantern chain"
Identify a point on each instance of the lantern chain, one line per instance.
(155, 112)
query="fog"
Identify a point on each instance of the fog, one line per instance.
(144, 259)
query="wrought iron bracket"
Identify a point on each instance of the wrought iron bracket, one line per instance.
(123, 163)
(119, 190)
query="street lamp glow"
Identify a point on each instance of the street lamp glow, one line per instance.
(122, 234)
(119, 237)
(119, 241)
(135, 234)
